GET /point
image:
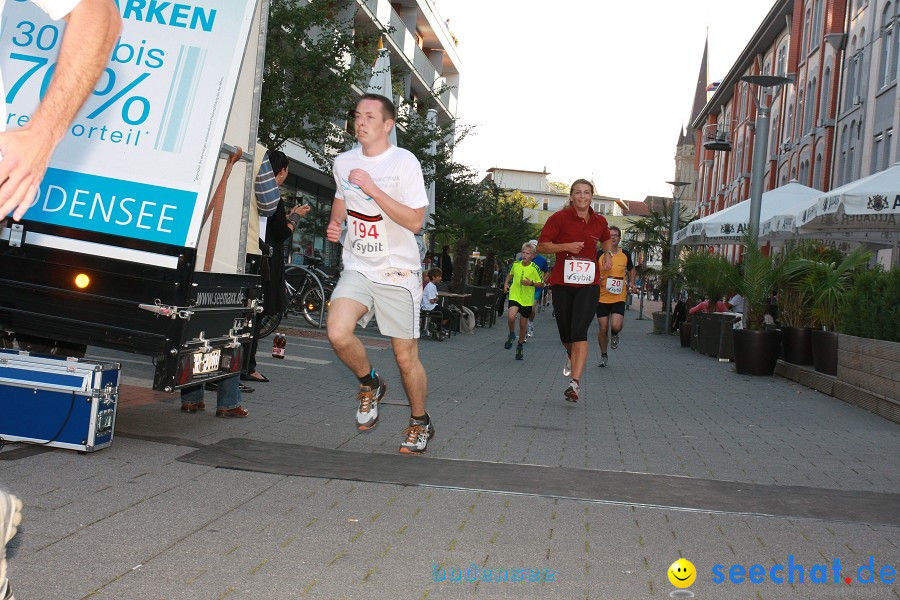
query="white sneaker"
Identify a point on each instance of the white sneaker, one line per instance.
(571, 392)
(367, 412)
(567, 370)
(604, 360)
(614, 341)
(530, 330)
(417, 436)
(10, 517)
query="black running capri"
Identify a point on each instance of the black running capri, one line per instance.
(575, 307)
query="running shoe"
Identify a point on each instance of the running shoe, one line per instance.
(368, 398)
(604, 360)
(614, 342)
(417, 436)
(509, 341)
(567, 370)
(530, 330)
(10, 517)
(571, 392)
(520, 352)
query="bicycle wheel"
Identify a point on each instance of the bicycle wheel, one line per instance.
(313, 305)
(268, 324)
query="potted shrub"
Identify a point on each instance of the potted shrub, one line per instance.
(794, 302)
(711, 275)
(755, 347)
(828, 284)
(875, 293)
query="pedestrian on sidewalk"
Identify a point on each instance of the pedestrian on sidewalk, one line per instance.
(573, 233)
(522, 283)
(380, 197)
(615, 283)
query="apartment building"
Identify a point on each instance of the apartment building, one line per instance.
(832, 125)
(868, 116)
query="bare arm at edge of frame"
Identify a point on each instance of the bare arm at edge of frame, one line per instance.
(91, 32)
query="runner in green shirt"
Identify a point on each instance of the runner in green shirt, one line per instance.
(525, 277)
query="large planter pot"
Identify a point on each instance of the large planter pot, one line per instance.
(659, 322)
(755, 351)
(797, 345)
(711, 334)
(825, 351)
(685, 333)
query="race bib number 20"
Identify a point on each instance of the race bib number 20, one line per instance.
(366, 235)
(614, 285)
(578, 272)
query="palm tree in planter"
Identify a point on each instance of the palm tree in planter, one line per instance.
(794, 301)
(828, 285)
(755, 347)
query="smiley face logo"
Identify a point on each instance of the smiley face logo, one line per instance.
(682, 573)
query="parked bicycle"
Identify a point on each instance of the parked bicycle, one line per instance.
(308, 290)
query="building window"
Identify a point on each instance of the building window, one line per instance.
(810, 106)
(845, 146)
(782, 61)
(825, 95)
(788, 130)
(807, 17)
(817, 23)
(886, 156)
(852, 67)
(876, 151)
(887, 72)
(801, 114)
(545, 204)
(817, 173)
(773, 134)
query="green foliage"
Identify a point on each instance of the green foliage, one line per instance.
(755, 283)
(315, 55)
(828, 284)
(707, 273)
(433, 144)
(791, 268)
(871, 308)
(478, 213)
(650, 237)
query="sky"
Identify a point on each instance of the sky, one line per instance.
(589, 88)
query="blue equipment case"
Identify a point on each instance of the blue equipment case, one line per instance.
(59, 402)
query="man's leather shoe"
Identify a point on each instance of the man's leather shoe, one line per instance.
(237, 411)
(192, 408)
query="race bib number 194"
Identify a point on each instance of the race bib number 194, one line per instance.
(366, 235)
(578, 272)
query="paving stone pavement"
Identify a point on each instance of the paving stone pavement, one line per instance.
(132, 521)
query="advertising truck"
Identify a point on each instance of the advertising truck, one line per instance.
(124, 245)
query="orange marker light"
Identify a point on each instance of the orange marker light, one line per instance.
(82, 281)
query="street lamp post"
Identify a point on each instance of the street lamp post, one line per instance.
(760, 145)
(677, 191)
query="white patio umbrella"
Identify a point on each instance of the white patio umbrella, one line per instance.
(730, 224)
(868, 204)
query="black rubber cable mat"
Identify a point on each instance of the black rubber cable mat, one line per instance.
(662, 491)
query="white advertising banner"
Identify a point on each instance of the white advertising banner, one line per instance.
(139, 159)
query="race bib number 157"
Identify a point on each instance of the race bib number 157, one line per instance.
(578, 272)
